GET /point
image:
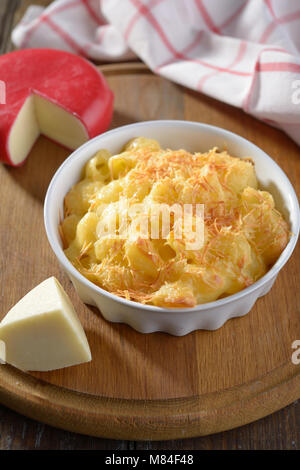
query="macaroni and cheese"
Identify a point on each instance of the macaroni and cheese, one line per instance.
(243, 233)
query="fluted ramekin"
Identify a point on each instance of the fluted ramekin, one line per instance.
(191, 136)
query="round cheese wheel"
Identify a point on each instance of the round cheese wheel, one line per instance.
(49, 92)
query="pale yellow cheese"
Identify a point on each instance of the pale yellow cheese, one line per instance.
(42, 331)
(24, 132)
(40, 116)
(2, 352)
(58, 124)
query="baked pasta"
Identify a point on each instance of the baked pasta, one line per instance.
(244, 234)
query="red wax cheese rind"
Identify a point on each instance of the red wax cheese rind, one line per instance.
(50, 92)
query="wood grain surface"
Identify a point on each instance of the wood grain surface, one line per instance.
(150, 386)
(254, 351)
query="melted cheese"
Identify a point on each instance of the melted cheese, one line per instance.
(243, 232)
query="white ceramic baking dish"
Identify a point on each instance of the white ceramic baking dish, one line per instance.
(191, 136)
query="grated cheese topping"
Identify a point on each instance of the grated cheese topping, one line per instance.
(244, 233)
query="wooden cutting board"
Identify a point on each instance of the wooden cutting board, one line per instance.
(151, 386)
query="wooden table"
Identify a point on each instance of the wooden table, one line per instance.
(278, 431)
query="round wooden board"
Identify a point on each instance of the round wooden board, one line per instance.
(150, 386)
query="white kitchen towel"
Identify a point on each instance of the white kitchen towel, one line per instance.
(243, 52)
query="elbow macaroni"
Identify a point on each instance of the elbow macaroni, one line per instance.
(243, 232)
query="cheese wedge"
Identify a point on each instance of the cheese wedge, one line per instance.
(42, 331)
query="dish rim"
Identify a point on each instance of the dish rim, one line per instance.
(271, 273)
